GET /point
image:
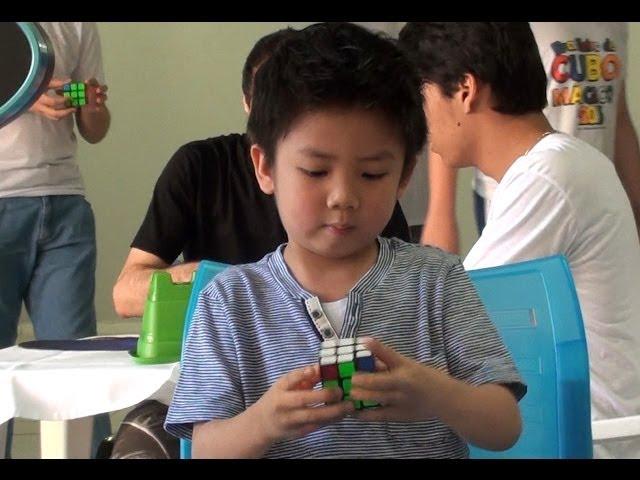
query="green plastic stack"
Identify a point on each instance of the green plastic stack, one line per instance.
(163, 320)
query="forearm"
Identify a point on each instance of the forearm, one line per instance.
(131, 288)
(440, 227)
(486, 416)
(237, 437)
(93, 124)
(130, 291)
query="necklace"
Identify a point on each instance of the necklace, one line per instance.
(548, 132)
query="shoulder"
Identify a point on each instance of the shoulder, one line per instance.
(564, 161)
(213, 147)
(240, 281)
(425, 260)
(209, 152)
(64, 31)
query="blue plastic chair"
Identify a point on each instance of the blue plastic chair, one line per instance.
(204, 274)
(535, 307)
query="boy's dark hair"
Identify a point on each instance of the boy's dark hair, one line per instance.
(501, 54)
(337, 65)
(258, 54)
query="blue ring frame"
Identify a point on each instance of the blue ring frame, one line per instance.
(40, 73)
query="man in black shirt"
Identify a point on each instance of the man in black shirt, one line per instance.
(207, 204)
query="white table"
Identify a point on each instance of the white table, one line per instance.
(64, 389)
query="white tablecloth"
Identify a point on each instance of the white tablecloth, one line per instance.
(63, 385)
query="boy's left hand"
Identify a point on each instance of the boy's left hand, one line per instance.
(406, 390)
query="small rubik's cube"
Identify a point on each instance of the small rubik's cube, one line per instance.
(76, 92)
(339, 359)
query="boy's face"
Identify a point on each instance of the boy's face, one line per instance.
(336, 179)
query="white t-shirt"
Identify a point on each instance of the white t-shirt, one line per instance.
(564, 197)
(585, 63)
(37, 155)
(335, 312)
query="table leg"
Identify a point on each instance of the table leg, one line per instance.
(3, 439)
(66, 439)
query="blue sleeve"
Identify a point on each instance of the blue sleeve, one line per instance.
(209, 386)
(475, 351)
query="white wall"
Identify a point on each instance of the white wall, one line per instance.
(170, 83)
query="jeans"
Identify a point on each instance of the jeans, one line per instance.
(48, 261)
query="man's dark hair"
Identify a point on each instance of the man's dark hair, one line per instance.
(337, 65)
(501, 54)
(258, 54)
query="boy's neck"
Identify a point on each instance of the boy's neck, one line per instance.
(330, 279)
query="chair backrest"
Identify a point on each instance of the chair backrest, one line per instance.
(535, 308)
(204, 274)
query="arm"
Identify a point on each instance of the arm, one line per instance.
(209, 404)
(53, 107)
(164, 233)
(93, 120)
(440, 226)
(130, 290)
(469, 393)
(627, 155)
(289, 409)
(485, 415)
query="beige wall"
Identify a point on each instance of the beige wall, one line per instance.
(174, 82)
(169, 83)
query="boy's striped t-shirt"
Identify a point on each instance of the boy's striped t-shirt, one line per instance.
(251, 326)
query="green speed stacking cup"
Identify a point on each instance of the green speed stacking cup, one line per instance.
(163, 320)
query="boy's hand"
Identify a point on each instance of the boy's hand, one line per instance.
(406, 391)
(292, 409)
(53, 107)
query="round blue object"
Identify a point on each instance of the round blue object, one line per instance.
(26, 62)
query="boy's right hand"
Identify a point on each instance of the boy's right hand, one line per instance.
(292, 409)
(53, 107)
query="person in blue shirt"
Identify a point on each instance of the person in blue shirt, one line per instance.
(336, 125)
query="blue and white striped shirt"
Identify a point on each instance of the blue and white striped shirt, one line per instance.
(251, 327)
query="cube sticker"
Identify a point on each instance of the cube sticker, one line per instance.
(339, 359)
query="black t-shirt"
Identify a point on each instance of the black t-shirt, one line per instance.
(208, 205)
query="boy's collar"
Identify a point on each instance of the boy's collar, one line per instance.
(369, 280)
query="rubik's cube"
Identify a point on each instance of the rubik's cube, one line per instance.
(76, 92)
(339, 359)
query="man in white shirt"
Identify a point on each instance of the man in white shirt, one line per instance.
(586, 65)
(484, 87)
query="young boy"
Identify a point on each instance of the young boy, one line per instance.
(337, 123)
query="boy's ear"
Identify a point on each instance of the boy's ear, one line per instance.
(468, 93)
(262, 169)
